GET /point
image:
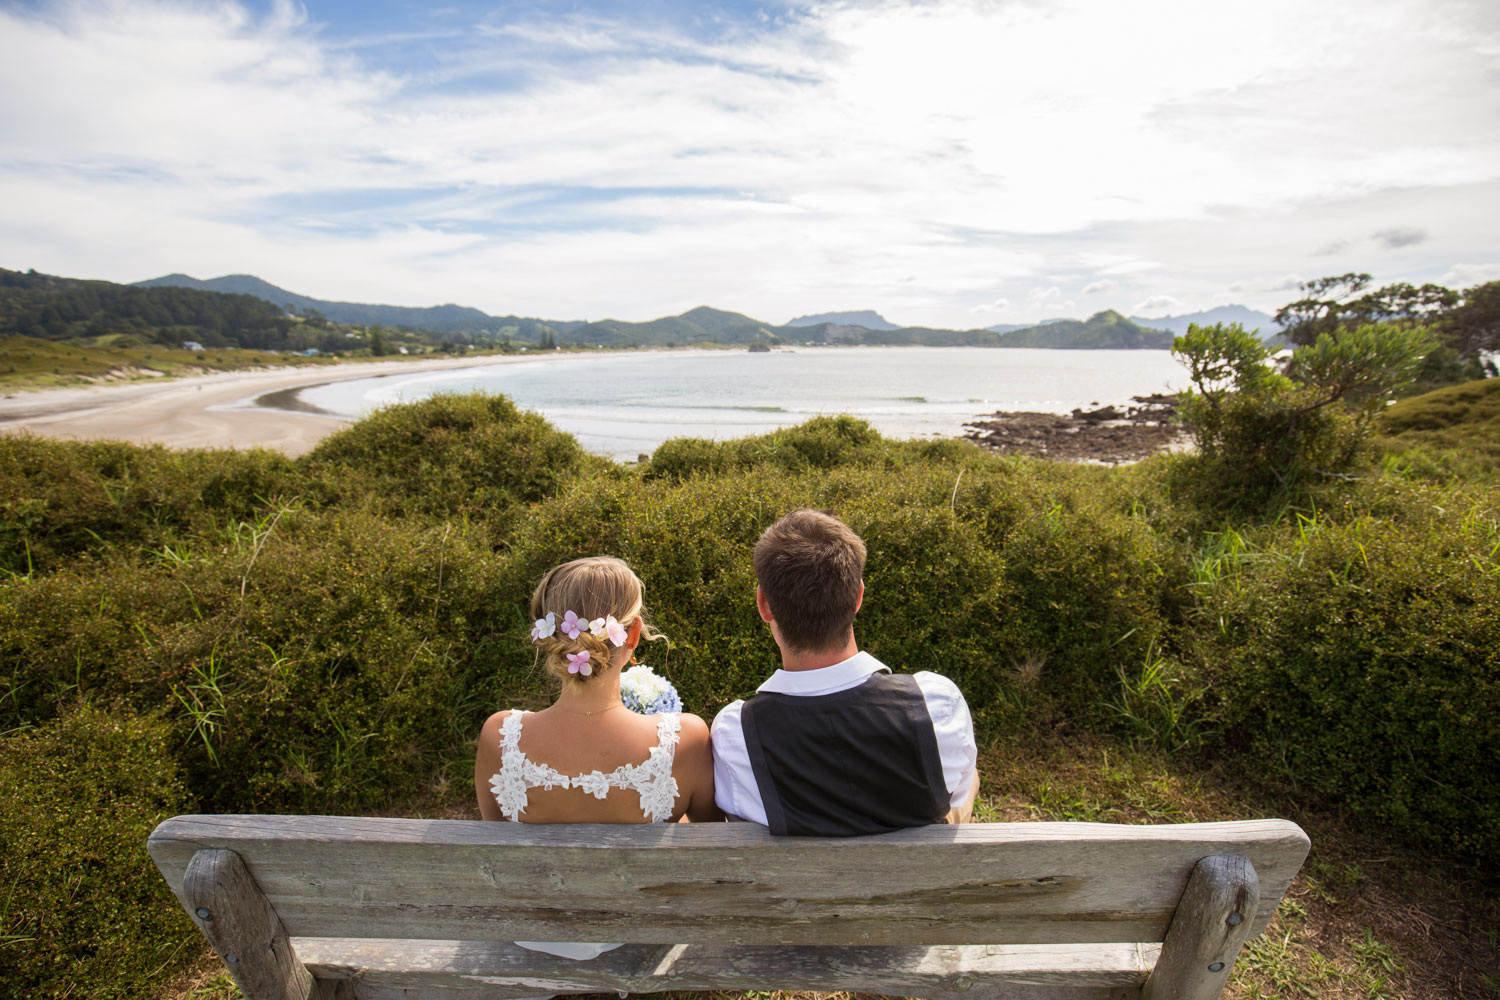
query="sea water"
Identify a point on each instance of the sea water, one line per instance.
(624, 405)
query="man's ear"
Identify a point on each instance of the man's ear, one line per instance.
(861, 598)
(762, 605)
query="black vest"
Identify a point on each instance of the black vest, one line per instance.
(864, 760)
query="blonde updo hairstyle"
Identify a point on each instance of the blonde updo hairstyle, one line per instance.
(593, 587)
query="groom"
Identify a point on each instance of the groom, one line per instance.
(834, 744)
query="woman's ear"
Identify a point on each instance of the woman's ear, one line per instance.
(633, 637)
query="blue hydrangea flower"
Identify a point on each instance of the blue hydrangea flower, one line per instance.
(645, 693)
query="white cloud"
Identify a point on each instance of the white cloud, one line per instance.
(848, 153)
(999, 305)
(1466, 275)
(1044, 293)
(1290, 282)
(1101, 287)
(1159, 305)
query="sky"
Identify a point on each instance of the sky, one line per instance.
(948, 163)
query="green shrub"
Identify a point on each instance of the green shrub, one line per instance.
(1261, 431)
(344, 672)
(450, 455)
(85, 912)
(63, 499)
(973, 577)
(820, 443)
(1355, 658)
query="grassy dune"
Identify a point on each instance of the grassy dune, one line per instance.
(1452, 433)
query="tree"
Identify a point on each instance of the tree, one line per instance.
(1261, 428)
(378, 346)
(1474, 327)
(1321, 309)
(1333, 304)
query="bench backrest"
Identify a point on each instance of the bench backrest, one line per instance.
(727, 884)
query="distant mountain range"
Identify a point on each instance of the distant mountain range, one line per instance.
(1008, 327)
(700, 325)
(867, 318)
(1107, 329)
(436, 319)
(1104, 330)
(1243, 315)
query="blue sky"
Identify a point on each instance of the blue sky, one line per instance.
(947, 162)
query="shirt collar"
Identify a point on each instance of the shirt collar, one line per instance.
(825, 680)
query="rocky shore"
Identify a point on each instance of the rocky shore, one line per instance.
(1107, 435)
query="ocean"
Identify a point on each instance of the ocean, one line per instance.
(624, 405)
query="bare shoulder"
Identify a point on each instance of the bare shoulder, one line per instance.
(492, 724)
(694, 732)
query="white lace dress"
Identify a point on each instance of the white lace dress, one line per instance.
(651, 779)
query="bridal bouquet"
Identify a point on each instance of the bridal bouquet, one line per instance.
(647, 694)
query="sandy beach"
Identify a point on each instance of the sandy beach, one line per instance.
(206, 411)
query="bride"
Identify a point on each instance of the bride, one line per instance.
(587, 758)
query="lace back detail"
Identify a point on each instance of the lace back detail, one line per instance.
(651, 779)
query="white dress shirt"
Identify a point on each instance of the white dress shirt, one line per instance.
(735, 789)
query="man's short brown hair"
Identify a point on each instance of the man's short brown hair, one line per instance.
(809, 566)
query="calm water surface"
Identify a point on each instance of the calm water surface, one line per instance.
(625, 405)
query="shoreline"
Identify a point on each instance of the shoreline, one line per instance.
(220, 410)
(261, 409)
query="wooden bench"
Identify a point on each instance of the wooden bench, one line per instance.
(327, 907)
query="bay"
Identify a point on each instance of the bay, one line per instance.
(624, 405)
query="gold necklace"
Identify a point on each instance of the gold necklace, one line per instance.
(601, 711)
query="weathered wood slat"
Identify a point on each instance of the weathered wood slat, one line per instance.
(377, 991)
(1207, 932)
(378, 967)
(223, 901)
(730, 884)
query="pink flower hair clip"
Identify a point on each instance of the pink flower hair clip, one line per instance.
(578, 663)
(572, 626)
(601, 628)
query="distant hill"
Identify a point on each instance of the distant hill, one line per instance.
(867, 318)
(1107, 330)
(700, 325)
(1008, 327)
(1245, 316)
(48, 307)
(243, 310)
(450, 319)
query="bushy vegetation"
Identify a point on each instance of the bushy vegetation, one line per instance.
(327, 634)
(467, 456)
(1263, 430)
(84, 912)
(1354, 656)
